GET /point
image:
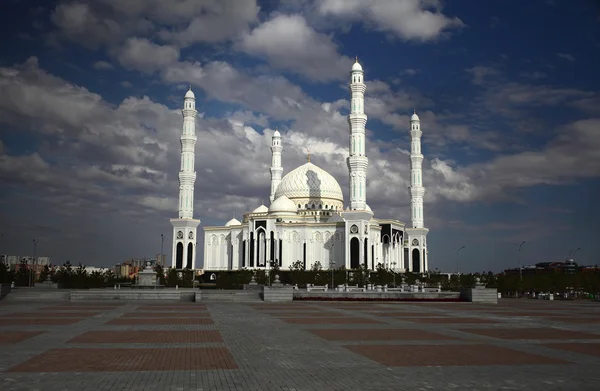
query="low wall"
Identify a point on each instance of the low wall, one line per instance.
(228, 295)
(270, 294)
(124, 294)
(480, 295)
(4, 290)
(374, 296)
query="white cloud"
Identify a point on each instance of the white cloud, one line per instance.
(102, 65)
(145, 56)
(419, 20)
(567, 56)
(94, 23)
(289, 43)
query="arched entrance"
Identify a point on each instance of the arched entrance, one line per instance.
(354, 253)
(179, 256)
(416, 261)
(190, 252)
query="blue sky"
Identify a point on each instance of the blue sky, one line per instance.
(507, 91)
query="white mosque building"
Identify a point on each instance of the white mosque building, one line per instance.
(307, 219)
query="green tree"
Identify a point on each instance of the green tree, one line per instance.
(6, 275)
(23, 274)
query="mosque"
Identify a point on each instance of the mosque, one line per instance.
(307, 220)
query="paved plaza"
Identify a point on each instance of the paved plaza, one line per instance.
(515, 345)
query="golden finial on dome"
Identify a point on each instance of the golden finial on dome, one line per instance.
(356, 59)
(309, 157)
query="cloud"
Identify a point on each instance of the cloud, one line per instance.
(406, 19)
(567, 56)
(213, 21)
(94, 23)
(480, 74)
(287, 42)
(145, 56)
(102, 65)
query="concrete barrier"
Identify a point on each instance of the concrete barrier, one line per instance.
(125, 294)
(374, 295)
(270, 294)
(230, 296)
(480, 295)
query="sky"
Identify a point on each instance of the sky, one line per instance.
(507, 91)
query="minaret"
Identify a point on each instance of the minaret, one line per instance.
(416, 170)
(276, 169)
(416, 235)
(184, 227)
(357, 161)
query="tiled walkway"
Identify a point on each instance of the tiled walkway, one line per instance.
(515, 345)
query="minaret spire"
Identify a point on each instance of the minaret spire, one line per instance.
(185, 226)
(276, 169)
(357, 161)
(417, 190)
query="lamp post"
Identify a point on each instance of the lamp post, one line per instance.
(32, 262)
(331, 265)
(394, 272)
(457, 258)
(520, 267)
(575, 252)
(162, 241)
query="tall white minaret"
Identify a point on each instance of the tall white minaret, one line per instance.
(357, 119)
(276, 169)
(184, 227)
(416, 170)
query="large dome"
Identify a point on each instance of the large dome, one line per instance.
(309, 182)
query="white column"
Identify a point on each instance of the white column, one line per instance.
(187, 175)
(357, 119)
(276, 169)
(416, 183)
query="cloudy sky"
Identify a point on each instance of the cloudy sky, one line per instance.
(508, 94)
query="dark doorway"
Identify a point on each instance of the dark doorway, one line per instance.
(179, 256)
(190, 253)
(354, 253)
(251, 249)
(416, 261)
(373, 257)
(272, 249)
(280, 251)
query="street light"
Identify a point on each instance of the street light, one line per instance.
(32, 262)
(575, 252)
(457, 258)
(162, 241)
(331, 263)
(520, 267)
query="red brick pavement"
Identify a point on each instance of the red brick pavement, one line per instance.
(379, 335)
(532, 333)
(592, 349)
(81, 308)
(194, 314)
(448, 355)
(146, 336)
(407, 314)
(178, 308)
(449, 320)
(38, 321)
(53, 314)
(319, 320)
(159, 321)
(10, 337)
(575, 319)
(297, 314)
(115, 360)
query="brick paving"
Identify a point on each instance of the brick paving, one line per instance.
(159, 321)
(299, 346)
(148, 337)
(449, 355)
(379, 335)
(10, 337)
